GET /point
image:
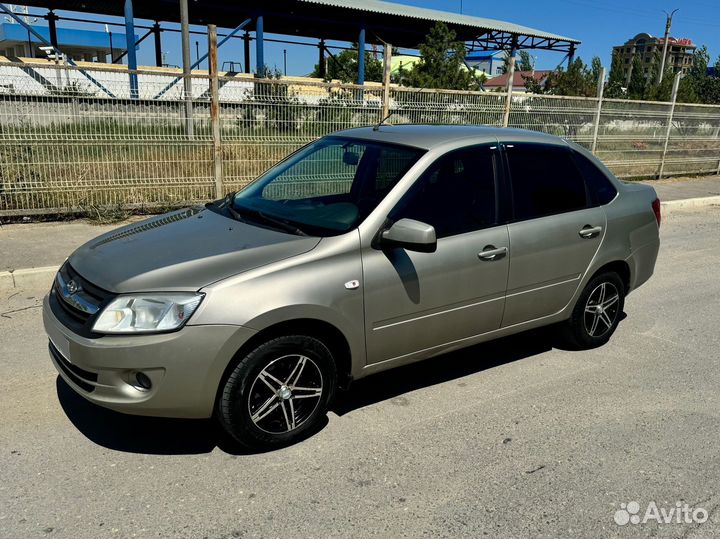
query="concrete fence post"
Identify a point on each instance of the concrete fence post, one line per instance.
(598, 112)
(387, 60)
(676, 85)
(215, 111)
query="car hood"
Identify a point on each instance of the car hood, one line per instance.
(181, 250)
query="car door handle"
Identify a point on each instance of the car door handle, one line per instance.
(588, 231)
(490, 252)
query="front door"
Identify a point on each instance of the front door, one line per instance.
(415, 302)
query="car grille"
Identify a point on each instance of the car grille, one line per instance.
(85, 380)
(75, 301)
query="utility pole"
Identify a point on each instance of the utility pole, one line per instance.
(668, 25)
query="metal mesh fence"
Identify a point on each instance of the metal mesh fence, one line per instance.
(75, 139)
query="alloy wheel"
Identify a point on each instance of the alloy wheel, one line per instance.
(601, 309)
(285, 394)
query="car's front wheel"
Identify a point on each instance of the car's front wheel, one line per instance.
(597, 312)
(278, 393)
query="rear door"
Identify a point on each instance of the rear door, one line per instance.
(554, 232)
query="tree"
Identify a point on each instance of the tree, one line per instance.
(442, 62)
(344, 67)
(525, 62)
(616, 80)
(578, 80)
(636, 86)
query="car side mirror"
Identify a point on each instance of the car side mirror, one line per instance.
(411, 235)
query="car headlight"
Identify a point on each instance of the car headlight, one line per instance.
(147, 313)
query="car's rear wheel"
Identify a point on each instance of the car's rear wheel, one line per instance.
(278, 393)
(597, 312)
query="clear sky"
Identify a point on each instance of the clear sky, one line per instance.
(598, 24)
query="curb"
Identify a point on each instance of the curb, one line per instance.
(690, 203)
(42, 277)
(27, 278)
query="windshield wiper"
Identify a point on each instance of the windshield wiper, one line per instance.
(279, 223)
(286, 225)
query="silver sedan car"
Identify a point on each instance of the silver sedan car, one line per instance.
(367, 249)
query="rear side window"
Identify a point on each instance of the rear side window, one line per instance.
(545, 181)
(601, 189)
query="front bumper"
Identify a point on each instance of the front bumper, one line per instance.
(185, 366)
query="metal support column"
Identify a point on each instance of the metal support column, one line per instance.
(322, 71)
(215, 110)
(246, 46)
(571, 55)
(259, 47)
(361, 57)
(600, 92)
(158, 44)
(130, 44)
(676, 85)
(187, 82)
(52, 27)
(511, 78)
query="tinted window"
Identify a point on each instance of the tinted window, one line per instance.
(545, 181)
(601, 189)
(456, 194)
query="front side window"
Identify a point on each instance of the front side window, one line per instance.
(326, 188)
(456, 194)
(545, 181)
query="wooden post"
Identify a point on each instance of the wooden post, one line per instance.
(676, 84)
(511, 78)
(215, 110)
(600, 92)
(387, 59)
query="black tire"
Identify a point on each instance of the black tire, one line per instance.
(299, 405)
(588, 328)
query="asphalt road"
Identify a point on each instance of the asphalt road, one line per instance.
(508, 439)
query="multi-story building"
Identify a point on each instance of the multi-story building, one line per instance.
(679, 53)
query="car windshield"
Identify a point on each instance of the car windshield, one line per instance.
(327, 188)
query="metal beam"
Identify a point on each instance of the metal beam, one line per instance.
(123, 54)
(321, 59)
(158, 43)
(259, 47)
(130, 43)
(52, 27)
(204, 56)
(246, 50)
(571, 55)
(57, 51)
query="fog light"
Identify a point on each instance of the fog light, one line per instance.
(143, 380)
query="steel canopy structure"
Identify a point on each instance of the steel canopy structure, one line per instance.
(358, 21)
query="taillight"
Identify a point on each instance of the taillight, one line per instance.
(656, 209)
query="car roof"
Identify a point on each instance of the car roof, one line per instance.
(430, 136)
